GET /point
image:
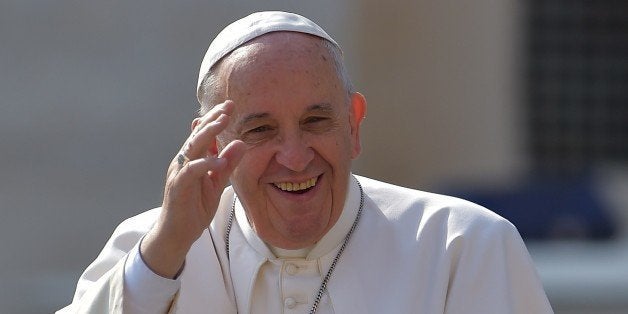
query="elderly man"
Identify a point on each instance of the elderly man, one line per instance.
(296, 232)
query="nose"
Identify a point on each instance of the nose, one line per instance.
(294, 153)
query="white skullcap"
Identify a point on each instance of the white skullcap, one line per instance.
(252, 26)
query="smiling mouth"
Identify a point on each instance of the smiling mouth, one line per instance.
(296, 187)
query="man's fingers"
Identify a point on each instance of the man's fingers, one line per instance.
(232, 154)
(198, 168)
(216, 169)
(193, 161)
(220, 166)
(205, 138)
(206, 129)
(223, 108)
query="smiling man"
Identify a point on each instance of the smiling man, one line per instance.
(296, 232)
(300, 125)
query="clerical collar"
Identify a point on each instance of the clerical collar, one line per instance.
(328, 242)
(284, 253)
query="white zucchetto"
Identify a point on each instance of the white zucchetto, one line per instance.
(252, 26)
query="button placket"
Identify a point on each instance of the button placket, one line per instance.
(290, 303)
(299, 280)
(292, 269)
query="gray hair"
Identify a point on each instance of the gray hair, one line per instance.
(211, 85)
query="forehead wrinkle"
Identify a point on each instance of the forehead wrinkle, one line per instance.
(266, 51)
(324, 107)
(238, 59)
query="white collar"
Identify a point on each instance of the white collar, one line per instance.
(332, 239)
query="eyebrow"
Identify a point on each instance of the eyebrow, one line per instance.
(323, 107)
(253, 116)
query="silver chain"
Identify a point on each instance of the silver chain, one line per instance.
(229, 224)
(323, 287)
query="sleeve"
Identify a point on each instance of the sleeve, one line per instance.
(494, 273)
(100, 289)
(144, 291)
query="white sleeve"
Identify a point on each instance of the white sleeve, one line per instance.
(145, 291)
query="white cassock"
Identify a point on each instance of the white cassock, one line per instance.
(412, 252)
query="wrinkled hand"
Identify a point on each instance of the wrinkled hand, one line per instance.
(192, 192)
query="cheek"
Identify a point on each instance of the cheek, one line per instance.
(336, 150)
(344, 143)
(246, 166)
(244, 179)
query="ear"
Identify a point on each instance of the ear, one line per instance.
(357, 114)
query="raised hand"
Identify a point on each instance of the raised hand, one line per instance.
(194, 183)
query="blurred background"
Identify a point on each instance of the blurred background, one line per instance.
(521, 106)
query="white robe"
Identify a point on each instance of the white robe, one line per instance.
(412, 252)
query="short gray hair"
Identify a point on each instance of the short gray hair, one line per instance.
(211, 85)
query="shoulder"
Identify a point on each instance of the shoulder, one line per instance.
(440, 224)
(132, 229)
(139, 223)
(456, 215)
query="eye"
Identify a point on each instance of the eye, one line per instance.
(258, 134)
(319, 124)
(259, 129)
(315, 119)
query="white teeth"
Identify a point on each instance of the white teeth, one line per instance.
(296, 186)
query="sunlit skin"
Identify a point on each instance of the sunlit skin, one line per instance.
(284, 118)
(299, 124)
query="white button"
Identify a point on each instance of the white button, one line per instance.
(290, 303)
(292, 269)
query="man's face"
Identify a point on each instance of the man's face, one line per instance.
(301, 128)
